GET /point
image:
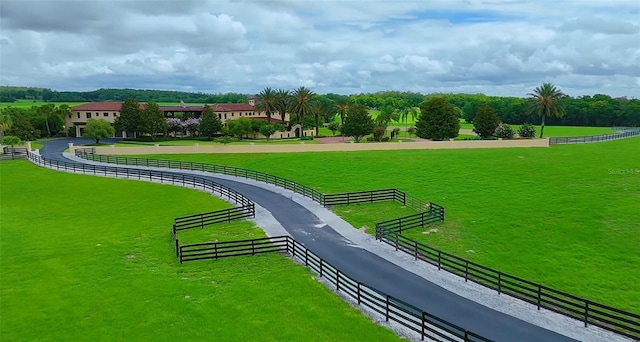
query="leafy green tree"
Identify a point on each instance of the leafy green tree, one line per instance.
(357, 122)
(378, 132)
(438, 120)
(333, 127)
(5, 123)
(98, 129)
(154, 121)
(239, 127)
(268, 130)
(323, 108)
(210, 123)
(23, 129)
(485, 122)
(302, 103)
(256, 125)
(267, 100)
(12, 140)
(546, 101)
(130, 118)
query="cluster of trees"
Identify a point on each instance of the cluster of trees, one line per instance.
(11, 94)
(33, 123)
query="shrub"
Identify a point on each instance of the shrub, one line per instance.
(411, 130)
(438, 120)
(306, 138)
(11, 140)
(385, 139)
(527, 130)
(505, 131)
(333, 127)
(485, 122)
(378, 133)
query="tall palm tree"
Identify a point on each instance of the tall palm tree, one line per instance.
(267, 102)
(343, 106)
(406, 112)
(546, 100)
(302, 103)
(283, 102)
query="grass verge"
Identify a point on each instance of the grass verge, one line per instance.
(565, 216)
(90, 258)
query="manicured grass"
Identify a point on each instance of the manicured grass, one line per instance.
(29, 104)
(560, 131)
(90, 258)
(565, 216)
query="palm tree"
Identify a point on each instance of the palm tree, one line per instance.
(343, 106)
(302, 103)
(546, 100)
(267, 102)
(283, 102)
(406, 112)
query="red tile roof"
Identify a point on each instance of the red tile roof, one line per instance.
(233, 107)
(181, 109)
(98, 106)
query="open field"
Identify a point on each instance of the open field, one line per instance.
(560, 131)
(186, 142)
(565, 216)
(90, 258)
(29, 104)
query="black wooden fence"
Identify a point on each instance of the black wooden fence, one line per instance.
(11, 153)
(213, 217)
(595, 138)
(616, 320)
(391, 308)
(607, 317)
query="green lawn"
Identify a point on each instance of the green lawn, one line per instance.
(565, 216)
(560, 131)
(90, 258)
(29, 104)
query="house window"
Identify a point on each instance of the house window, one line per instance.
(115, 114)
(69, 116)
(105, 114)
(232, 114)
(88, 115)
(225, 116)
(78, 114)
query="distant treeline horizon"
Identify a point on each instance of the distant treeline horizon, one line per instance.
(596, 110)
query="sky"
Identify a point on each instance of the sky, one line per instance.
(494, 47)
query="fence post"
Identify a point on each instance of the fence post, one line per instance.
(215, 251)
(586, 313)
(466, 271)
(321, 261)
(293, 250)
(499, 282)
(337, 280)
(466, 336)
(358, 292)
(177, 249)
(386, 311)
(422, 326)
(306, 257)
(253, 248)
(539, 295)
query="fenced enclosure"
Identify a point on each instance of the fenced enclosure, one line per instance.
(589, 312)
(616, 320)
(623, 132)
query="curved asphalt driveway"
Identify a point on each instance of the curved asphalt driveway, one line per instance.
(370, 268)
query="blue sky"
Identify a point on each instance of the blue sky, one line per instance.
(498, 47)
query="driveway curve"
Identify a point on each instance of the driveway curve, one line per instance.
(304, 226)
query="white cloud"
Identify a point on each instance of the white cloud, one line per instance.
(494, 47)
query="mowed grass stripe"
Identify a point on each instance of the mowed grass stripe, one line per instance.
(565, 216)
(90, 258)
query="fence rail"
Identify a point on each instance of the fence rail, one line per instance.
(589, 312)
(205, 219)
(89, 154)
(625, 133)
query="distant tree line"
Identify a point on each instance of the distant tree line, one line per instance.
(596, 110)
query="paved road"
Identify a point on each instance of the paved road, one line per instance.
(372, 269)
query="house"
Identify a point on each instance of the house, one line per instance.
(226, 111)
